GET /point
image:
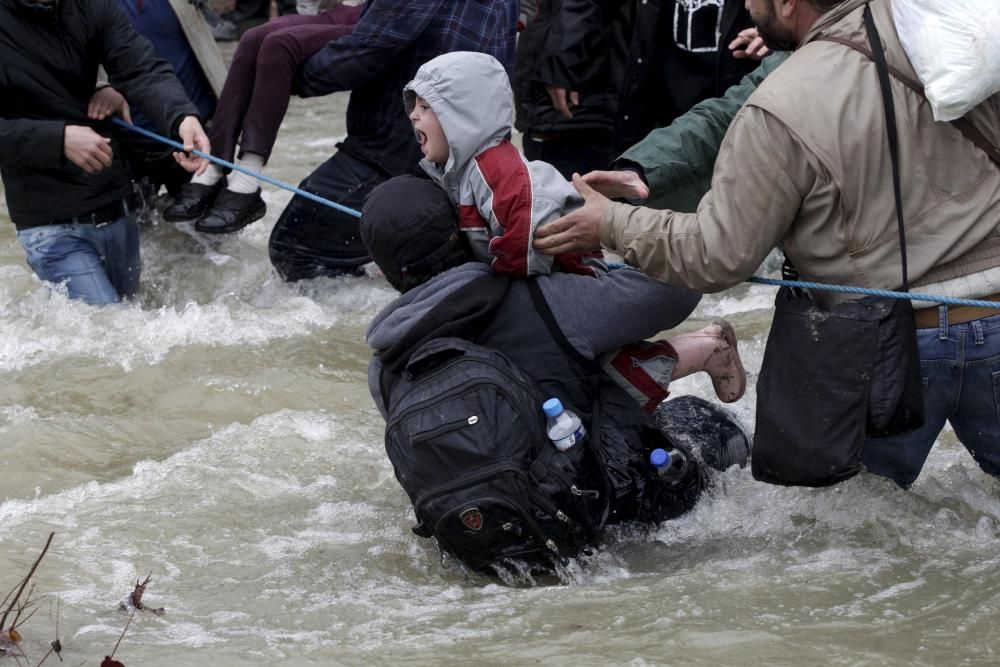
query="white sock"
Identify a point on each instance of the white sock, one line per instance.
(240, 182)
(211, 176)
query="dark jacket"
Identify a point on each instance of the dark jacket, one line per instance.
(635, 63)
(393, 39)
(49, 56)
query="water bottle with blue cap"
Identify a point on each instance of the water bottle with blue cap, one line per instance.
(670, 464)
(563, 427)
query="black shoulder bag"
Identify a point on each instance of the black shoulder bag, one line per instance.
(831, 378)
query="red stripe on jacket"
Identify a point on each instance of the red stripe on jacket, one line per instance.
(508, 179)
(470, 219)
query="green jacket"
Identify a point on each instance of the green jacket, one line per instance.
(677, 161)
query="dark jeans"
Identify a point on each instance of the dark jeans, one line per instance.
(960, 365)
(311, 240)
(571, 152)
(255, 96)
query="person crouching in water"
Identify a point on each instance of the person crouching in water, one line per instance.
(551, 327)
(462, 107)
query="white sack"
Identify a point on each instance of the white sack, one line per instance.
(954, 47)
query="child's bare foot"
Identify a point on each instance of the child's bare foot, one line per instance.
(713, 350)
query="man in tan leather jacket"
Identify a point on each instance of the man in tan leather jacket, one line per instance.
(805, 167)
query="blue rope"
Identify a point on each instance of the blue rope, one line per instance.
(915, 296)
(235, 167)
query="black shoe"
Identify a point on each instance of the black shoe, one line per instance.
(232, 212)
(193, 200)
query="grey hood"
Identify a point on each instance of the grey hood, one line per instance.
(399, 316)
(470, 94)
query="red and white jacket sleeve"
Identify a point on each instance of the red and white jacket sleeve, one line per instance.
(508, 199)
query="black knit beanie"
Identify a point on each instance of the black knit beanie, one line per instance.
(410, 229)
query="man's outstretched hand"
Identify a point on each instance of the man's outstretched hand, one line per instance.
(193, 137)
(578, 231)
(625, 184)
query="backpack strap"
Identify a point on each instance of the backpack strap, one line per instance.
(596, 413)
(384, 379)
(449, 347)
(545, 312)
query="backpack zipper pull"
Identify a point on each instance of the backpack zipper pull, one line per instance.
(584, 492)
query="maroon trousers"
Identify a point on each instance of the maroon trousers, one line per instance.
(259, 83)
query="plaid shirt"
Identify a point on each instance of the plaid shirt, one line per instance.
(382, 54)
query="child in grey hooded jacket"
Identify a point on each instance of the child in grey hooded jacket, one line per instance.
(462, 107)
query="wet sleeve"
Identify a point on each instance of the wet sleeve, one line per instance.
(753, 202)
(386, 28)
(31, 143)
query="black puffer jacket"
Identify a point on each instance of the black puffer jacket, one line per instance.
(637, 64)
(49, 56)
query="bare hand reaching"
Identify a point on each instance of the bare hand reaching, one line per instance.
(563, 99)
(86, 149)
(577, 231)
(624, 184)
(749, 44)
(193, 137)
(107, 101)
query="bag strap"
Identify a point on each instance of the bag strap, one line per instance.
(545, 312)
(890, 120)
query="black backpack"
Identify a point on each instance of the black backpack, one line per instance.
(466, 437)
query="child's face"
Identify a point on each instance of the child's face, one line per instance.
(433, 143)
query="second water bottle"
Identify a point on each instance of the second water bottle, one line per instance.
(670, 464)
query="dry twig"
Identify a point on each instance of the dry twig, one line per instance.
(9, 636)
(24, 582)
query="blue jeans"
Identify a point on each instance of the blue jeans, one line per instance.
(99, 263)
(960, 367)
